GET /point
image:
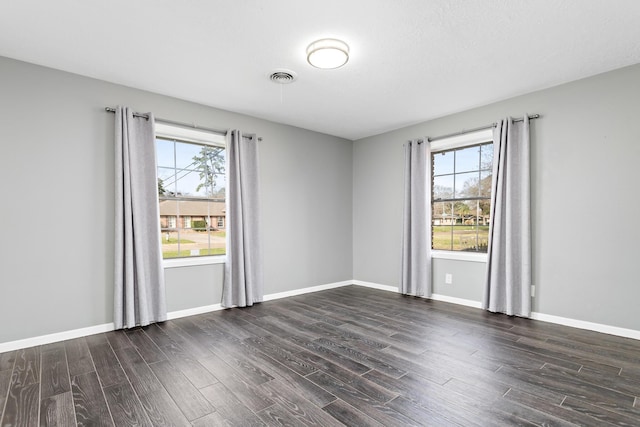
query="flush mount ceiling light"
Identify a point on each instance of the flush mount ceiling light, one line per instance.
(328, 53)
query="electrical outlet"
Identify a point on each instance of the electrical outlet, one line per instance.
(448, 278)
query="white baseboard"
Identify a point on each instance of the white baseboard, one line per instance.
(459, 301)
(582, 324)
(194, 311)
(437, 297)
(59, 336)
(307, 290)
(91, 330)
(375, 286)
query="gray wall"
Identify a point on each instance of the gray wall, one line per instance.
(331, 208)
(56, 235)
(585, 156)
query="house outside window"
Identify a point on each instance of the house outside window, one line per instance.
(461, 193)
(191, 191)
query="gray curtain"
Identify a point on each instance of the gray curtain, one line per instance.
(243, 269)
(416, 221)
(139, 277)
(508, 282)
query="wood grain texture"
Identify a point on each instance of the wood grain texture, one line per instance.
(346, 356)
(106, 363)
(139, 374)
(374, 408)
(55, 374)
(118, 339)
(22, 400)
(22, 405)
(244, 390)
(146, 348)
(187, 397)
(350, 416)
(89, 402)
(125, 407)
(162, 410)
(57, 411)
(300, 410)
(229, 408)
(78, 357)
(5, 382)
(189, 366)
(7, 360)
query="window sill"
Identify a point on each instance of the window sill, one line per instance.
(459, 256)
(187, 262)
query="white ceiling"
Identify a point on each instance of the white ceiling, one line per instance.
(411, 60)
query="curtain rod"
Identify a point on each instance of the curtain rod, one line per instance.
(171, 122)
(492, 125)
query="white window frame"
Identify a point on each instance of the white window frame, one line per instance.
(460, 141)
(180, 133)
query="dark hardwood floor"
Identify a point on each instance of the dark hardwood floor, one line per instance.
(352, 356)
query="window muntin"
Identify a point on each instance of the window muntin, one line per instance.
(461, 197)
(191, 190)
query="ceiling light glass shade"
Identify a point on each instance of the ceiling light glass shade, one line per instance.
(328, 53)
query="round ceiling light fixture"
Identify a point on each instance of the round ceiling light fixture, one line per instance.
(328, 53)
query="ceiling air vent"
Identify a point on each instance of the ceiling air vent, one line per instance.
(283, 76)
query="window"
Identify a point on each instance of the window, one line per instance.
(461, 193)
(191, 190)
(220, 222)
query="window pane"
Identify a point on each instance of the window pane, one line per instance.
(164, 153)
(442, 213)
(209, 171)
(464, 237)
(188, 184)
(467, 185)
(168, 210)
(443, 187)
(486, 156)
(170, 233)
(463, 210)
(443, 163)
(483, 237)
(217, 243)
(442, 219)
(470, 237)
(166, 181)
(485, 184)
(185, 154)
(467, 159)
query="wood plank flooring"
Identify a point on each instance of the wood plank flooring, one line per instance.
(348, 356)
